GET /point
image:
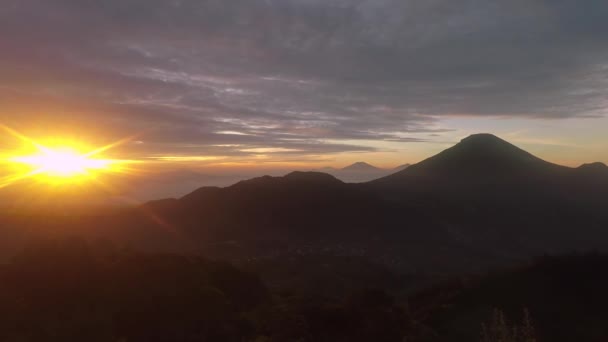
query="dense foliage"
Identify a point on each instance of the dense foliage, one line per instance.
(72, 291)
(564, 298)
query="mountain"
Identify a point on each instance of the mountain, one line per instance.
(491, 172)
(358, 172)
(480, 203)
(299, 205)
(477, 157)
(362, 167)
(488, 168)
(595, 167)
(594, 171)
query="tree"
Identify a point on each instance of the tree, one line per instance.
(499, 329)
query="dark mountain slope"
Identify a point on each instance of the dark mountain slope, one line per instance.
(491, 194)
(301, 204)
(304, 213)
(485, 175)
(477, 158)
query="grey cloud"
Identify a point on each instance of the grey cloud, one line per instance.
(308, 70)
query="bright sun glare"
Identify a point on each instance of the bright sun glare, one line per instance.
(62, 162)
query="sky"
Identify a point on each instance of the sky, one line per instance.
(306, 83)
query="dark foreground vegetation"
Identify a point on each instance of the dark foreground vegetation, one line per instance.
(70, 290)
(565, 299)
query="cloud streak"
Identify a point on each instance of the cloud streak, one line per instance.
(295, 76)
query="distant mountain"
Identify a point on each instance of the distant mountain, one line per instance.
(358, 172)
(362, 167)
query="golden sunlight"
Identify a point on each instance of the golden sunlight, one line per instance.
(63, 163)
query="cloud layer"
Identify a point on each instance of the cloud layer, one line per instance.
(296, 77)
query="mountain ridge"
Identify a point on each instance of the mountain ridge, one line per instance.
(482, 197)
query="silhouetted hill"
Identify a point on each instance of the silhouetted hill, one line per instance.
(492, 193)
(486, 171)
(479, 157)
(595, 171)
(482, 201)
(315, 178)
(167, 202)
(596, 167)
(300, 204)
(295, 181)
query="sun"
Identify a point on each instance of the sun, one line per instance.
(58, 161)
(63, 162)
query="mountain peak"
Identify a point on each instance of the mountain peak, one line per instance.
(484, 153)
(360, 166)
(487, 146)
(483, 138)
(479, 156)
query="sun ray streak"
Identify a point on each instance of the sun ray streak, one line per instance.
(10, 180)
(22, 137)
(59, 165)
(110, 146)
